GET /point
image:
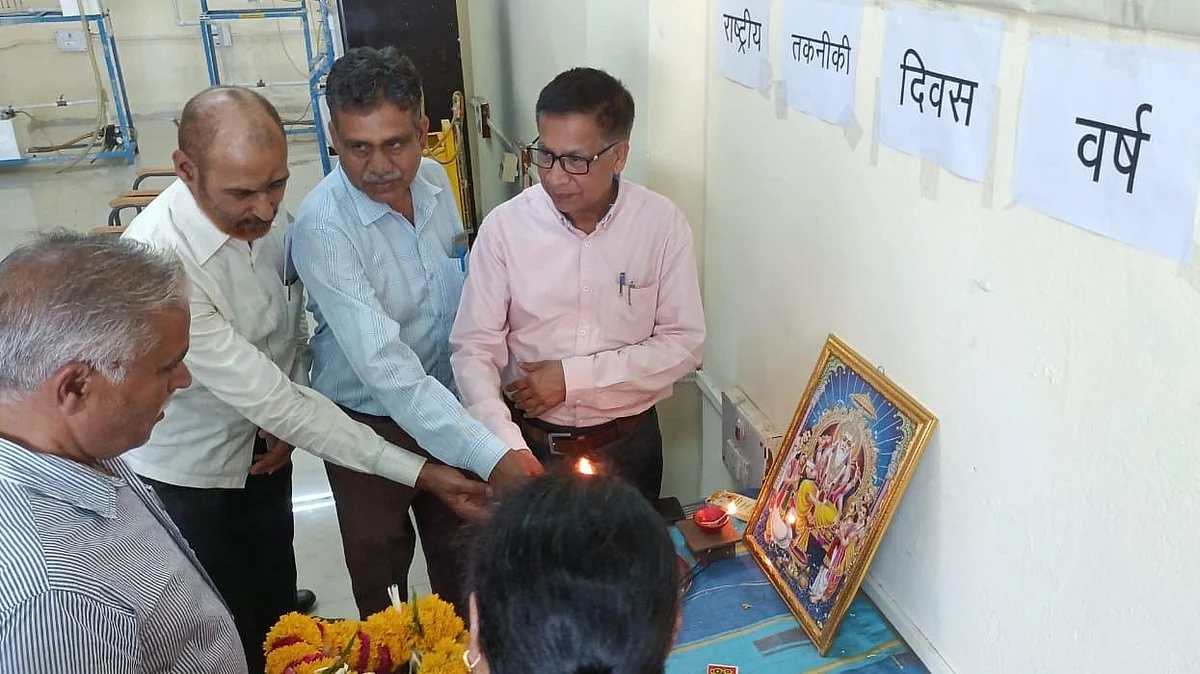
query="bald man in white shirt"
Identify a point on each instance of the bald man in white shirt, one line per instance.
(220, 460)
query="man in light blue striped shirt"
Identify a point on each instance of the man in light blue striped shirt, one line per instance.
(94, 576)
(374, 243)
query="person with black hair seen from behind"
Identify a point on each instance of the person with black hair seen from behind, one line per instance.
(582, 308)
(545, 599)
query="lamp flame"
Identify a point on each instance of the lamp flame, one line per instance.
(731, 508)
(585, 467)
(791, 518)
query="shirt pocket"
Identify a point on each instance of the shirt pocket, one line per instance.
(453, 277)
(629, 316)
(293, 296)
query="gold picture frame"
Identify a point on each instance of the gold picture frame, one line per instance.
(817, 522)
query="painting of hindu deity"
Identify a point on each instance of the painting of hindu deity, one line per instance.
(836, 480)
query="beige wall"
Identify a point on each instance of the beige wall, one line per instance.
(1048, 526)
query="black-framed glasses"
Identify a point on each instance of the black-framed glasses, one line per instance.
(573, 164)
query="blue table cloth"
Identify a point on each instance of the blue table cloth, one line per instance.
(733, 616)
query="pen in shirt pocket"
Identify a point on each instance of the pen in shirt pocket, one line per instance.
(290, 275)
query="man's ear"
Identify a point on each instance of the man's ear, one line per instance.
(185, 168)
(474, 651)
(335, 139)
(73, 386)
(621, 154)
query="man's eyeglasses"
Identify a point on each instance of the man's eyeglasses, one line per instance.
(573, 164)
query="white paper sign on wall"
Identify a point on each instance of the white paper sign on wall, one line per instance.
(1109, 141)
(740, 32)
(938, 87)
(818, 57)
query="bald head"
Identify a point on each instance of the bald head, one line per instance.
(228, 116)
(233, 157)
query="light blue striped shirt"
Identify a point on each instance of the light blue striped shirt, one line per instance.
(96, 579)
(384, 294)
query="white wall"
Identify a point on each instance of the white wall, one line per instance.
(1047, 528)
(163, 62)
(1043, 531)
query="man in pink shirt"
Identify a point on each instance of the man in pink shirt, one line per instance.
(582, 306)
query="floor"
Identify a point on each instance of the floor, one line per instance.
(36, 198)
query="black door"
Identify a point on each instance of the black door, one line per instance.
(425, 30)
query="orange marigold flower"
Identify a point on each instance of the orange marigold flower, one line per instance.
(293, 628)
(394, 630)
(438, 621)
(322, 666)
(338, 635)
(294, 655)
(446, 657)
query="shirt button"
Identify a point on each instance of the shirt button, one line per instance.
(587, 289)
(583, 333)
(587, 244)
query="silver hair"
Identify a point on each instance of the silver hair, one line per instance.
(72, 298)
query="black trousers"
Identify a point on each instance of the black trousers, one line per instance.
(378, 537)
(637, 457)
(243, 538)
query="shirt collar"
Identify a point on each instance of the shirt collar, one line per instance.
(196, 227)
(370, 211)
(605, 220)
(60, 479)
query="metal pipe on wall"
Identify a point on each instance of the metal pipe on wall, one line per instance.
(179, 16)
(46, 106)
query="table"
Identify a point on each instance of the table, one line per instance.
(764, 638)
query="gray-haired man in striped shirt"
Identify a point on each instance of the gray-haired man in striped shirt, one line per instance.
(94, 577)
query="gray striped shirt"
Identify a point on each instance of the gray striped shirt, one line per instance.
(96, 579)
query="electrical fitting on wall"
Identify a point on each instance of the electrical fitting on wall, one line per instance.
(750, 440)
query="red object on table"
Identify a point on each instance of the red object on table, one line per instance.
(710, 518)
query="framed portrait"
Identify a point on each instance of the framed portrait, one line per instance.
(834, 485)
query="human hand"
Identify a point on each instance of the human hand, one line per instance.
(279, 454)
(516, 466)
(542, 390)
(466, 497)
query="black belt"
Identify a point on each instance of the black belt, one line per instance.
(578, 441)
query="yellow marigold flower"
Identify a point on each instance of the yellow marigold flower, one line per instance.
(438, 621)
(293, 628)
(338, 634)
(322, 666)
(392, 629)
(294, 655)
(348, 632)
(446, 657)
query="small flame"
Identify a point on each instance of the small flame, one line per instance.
(585, 467)
(791, 518)
(731, 508)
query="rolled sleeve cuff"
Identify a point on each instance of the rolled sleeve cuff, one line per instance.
(580, 377)
(485, 453)
(399, 465)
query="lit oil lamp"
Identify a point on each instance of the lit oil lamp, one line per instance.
(585, 467)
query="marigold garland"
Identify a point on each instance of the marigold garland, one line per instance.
(428, 633)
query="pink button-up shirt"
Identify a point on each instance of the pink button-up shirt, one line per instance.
(539, 289)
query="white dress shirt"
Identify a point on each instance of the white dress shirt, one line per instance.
(249, 362)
